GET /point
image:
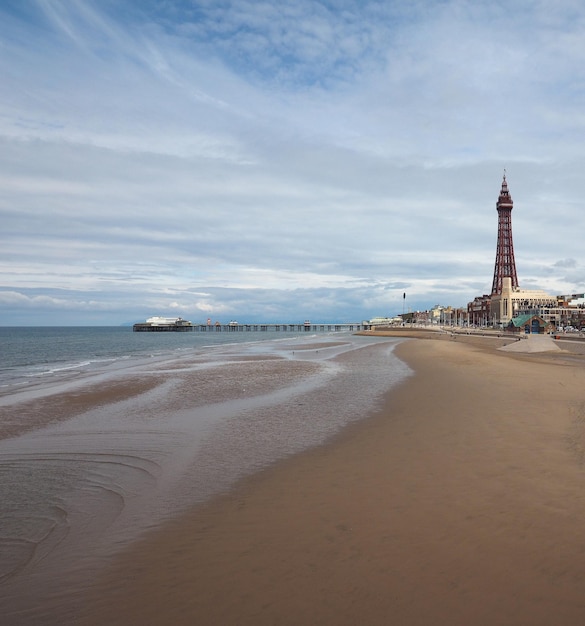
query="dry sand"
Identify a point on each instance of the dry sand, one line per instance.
(461, 502)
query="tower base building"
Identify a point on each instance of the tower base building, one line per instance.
(512, 302)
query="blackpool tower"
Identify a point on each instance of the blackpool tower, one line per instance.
(505, 263)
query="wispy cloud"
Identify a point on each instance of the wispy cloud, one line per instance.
(278, 158)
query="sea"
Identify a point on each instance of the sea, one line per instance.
(82, 479)
(33, 355)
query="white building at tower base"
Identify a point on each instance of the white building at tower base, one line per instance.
(516, 301)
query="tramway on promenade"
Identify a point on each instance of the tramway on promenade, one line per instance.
(181, 325)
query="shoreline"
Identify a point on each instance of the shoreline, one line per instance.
(108, 459)
(460, 501)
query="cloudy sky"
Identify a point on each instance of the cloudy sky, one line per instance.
(283, 161)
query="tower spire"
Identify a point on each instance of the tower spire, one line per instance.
(505, 263)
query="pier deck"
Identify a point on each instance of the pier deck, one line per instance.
(240, 328)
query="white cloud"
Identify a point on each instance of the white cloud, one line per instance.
(251, 157)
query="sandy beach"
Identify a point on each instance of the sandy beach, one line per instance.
(92, 461)
(460, 501)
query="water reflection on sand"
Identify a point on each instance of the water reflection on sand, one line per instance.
(75, 491)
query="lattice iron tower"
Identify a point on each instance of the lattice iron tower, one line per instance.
(505, 263)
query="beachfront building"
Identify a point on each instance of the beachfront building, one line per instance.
(479, 311)
(529, 324)
(435, 314)
(512, 302)
(568, 313)
(561, 312)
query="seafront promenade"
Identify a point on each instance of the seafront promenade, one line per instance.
(566, 343)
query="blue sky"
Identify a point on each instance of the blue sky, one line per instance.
(283, 161)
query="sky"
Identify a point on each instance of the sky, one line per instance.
(283, 161)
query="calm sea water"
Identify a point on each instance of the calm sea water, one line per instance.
(32, 355)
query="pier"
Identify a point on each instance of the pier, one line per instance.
(292, 328)
(232, 327)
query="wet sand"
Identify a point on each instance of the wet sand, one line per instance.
(91, 462)
(460, 502)
(22, 417)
